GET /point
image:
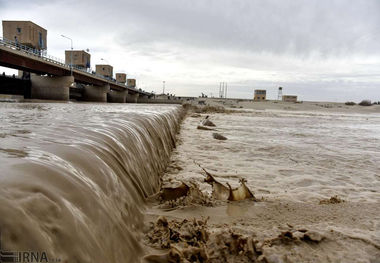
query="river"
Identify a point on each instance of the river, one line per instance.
(74, 176)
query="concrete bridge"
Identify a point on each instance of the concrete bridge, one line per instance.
(51, 78)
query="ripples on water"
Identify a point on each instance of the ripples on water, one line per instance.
(74, 176)
(302, 156)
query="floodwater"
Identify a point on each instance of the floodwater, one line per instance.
(301, 156)
(294, 162)
(74, 176)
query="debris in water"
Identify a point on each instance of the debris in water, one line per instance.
(221, 192)
(333, 200)
(312, 236)
(207, 122)
(294, 236)
(173, 255)
(194, 197)
(194, 241)
(240, 193)
(187, 241)
(172, 193)
(200, 127)
(164, 233)
(218, 136)
(195, 115)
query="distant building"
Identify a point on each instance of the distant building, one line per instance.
(104, 70)
(163, 96)
(260, 95)
(26, 33)
(289, 98)
(121, 78)
(80, 58)
(131, 82)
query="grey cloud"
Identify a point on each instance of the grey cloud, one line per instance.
(296, 27)
(308, 46)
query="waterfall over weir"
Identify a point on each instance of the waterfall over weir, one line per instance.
(73, 177)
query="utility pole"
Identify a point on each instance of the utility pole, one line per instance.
(71, 57)
(225, 94)
(163, 87)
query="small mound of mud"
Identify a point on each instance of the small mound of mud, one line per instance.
(186, 240)
(333, 200)
(196, 241)
(294, 236)
(189, 240)
(218, 136)
(229, 246)
(164, 233)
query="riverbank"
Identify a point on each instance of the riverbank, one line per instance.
(313, 172)
(288, 106)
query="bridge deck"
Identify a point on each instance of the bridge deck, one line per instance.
(18, 59)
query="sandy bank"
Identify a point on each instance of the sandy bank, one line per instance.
(289, 106)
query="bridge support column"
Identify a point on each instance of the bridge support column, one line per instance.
(132, 98)
(143, 99)
(117, 96)
(51, 88)
(96, 93)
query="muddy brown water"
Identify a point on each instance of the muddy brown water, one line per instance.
(74, 177)
(294, 162)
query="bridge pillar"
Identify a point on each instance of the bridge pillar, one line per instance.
(50, 88)
(117, 96)
(143, 98)
(95, 93)
(132, 98)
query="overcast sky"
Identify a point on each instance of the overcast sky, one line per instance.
(326, 50)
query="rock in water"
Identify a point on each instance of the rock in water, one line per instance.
(207, 122)
(200, 127)
(218, 136)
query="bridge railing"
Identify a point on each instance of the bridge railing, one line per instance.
(42, 54)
